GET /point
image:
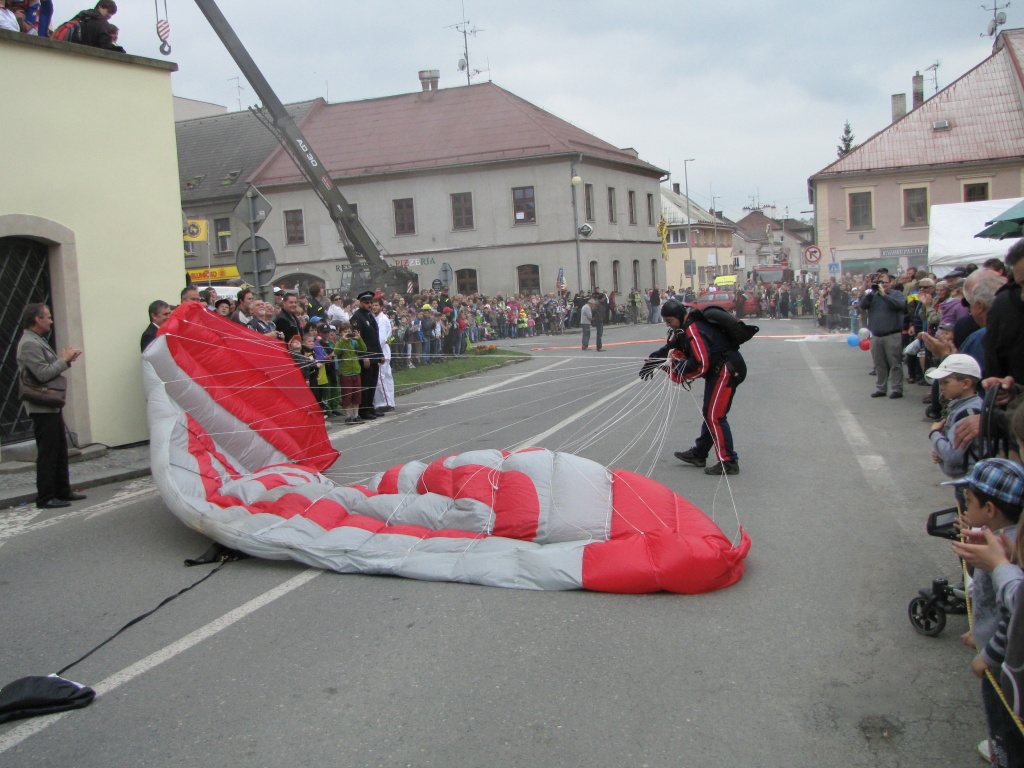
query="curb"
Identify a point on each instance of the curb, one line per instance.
(29, 495)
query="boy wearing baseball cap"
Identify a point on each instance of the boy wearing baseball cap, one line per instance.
(994, 496)
(958, 377)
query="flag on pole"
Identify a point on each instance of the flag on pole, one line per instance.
(560, 283)
(663, 234)
(196, 231)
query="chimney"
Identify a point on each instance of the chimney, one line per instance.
(899, 106)
(918, 90)
(429, 79)
(675, 188)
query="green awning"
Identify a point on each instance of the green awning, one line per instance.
(1006, 224)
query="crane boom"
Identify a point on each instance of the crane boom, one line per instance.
(360, 248)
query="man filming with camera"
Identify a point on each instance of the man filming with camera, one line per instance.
(886, 307)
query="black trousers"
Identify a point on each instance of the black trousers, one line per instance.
(368, 382)
(52, 462)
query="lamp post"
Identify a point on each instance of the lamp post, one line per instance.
(689, 229)
(576, 181)
(714, 222)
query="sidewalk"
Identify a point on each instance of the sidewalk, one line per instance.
(92, 466)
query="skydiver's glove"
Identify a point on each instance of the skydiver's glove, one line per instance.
(648, 369)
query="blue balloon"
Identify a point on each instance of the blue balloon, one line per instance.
(852, 340)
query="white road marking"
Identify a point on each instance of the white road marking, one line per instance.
(17, 735)
(11, 525)
(530, 442)
(497, 385)
(872, 464)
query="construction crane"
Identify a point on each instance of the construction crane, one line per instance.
(362, 251)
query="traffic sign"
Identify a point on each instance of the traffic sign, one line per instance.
(833, 268)
(812, 254)
(258, 266)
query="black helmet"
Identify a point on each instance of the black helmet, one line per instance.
(673, 308)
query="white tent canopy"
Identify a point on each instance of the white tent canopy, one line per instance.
(952, 229)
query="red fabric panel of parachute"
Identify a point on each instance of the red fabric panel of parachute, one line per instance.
(253, 378)
(660, 541)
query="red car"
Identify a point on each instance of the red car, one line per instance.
(726, 300)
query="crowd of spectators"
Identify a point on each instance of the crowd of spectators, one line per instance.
(34, 17)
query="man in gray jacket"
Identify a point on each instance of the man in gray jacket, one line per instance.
(886, 310)
(53, 485)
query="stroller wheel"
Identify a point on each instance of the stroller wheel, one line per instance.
(926, 617)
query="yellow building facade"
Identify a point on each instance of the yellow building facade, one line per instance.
(92, 179)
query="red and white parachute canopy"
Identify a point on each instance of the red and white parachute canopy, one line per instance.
(238, 444)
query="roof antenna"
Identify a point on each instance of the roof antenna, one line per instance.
(998, 18)
(466, 30)
(239, 87)
(934, 69)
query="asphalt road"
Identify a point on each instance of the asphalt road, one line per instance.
(808, 661)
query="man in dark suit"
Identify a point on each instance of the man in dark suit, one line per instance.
(364, 322)
(159, 311)
(288, 322)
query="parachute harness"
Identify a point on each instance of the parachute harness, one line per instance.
(163, 27)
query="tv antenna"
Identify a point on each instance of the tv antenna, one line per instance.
(998, 18)
(466, 30)
(934, 69)
(239, 88)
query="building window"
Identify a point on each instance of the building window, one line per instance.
(636, 273)
(524, 207)
(462, 211)
(223, 229)
(677, 236)
(190, 247)
(975, 192)
(405, 217)
(593, 276)
(654, 272)
(529, 277)
(650, 209)
(615, 276)
(860, 210)
(294, 229)
(611, 204)
(465, 281)
(588, 201)
(631, 197)
(915, 207)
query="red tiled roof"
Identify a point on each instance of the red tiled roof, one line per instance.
(437, 129)
(983, 109)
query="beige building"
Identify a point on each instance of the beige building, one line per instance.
(90, 221)
(472, 176)
(966, 143)
(711, 245)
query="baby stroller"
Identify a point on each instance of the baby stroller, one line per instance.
(927, 612)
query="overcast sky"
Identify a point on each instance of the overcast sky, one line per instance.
(756, 92)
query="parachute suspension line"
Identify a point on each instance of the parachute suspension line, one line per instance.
(723, 476)
(163, 27)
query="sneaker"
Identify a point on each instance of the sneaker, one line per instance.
(690, 458)
(985, 750)
(895, 395)
(879, 394)
(356, 420)
(723, 468)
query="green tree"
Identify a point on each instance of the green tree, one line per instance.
(846, 145)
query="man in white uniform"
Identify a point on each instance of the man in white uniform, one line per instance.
(384, 397)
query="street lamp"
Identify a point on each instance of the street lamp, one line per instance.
(576, 181)
(689, 229)
(714, 221)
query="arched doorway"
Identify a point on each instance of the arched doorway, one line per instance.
(25, 275)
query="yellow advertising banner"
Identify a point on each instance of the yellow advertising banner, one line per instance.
(196, 231)
(214, 273)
